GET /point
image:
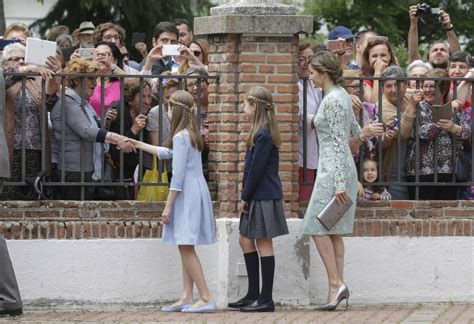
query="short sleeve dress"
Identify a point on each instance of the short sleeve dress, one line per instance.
(191, 217)
(335, 124)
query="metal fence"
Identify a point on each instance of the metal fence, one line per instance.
(42, 179)
(399, 178)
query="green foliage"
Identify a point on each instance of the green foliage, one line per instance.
(133, 16)
(390, 18)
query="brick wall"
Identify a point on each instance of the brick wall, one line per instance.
(132, 219)
(242, 62)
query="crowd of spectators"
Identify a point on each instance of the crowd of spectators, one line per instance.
(89, 117)
(416, 147)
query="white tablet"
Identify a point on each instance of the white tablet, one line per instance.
(38, 50)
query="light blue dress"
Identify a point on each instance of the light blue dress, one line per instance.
(191, 217)
(335, 124)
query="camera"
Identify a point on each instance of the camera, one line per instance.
(423, 10)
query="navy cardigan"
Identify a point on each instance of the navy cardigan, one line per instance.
(261, 180)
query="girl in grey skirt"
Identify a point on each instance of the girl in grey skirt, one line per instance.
(262, 217)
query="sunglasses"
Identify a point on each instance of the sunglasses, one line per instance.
(16, 58)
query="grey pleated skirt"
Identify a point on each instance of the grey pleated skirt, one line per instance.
(266, 219)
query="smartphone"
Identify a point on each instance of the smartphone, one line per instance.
(171, 50)
(337, 45)
(87, 53)
(394, 124)
(5, 42)
(138, 38)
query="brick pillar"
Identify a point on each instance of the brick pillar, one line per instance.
(251, 43)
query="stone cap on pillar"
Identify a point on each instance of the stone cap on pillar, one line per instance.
(253, 17)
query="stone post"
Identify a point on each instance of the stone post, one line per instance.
(252, 42)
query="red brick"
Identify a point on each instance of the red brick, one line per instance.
(255, 58)
(263, 68)
(443, 203)
(282, 58)
(401, 204)
(95, 230)
(442, 228)
(394, 228)
(252, 78)
(87, 231)
(104, 228)
(426, 228)
(468, 227)
(249, 68)
(427, 213)
(377, 228)
(410, 228)
(450, 228)
(34, 231)
(469, 213)
(458, 228)
(281, 78)
(266, 48)
(418, 228)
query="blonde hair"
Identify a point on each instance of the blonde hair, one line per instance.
(78, 65)
(184, 117)
(264, 116)
(17, 26)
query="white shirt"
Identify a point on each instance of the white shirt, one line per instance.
(313, 97)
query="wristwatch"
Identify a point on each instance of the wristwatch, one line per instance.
(449, 29)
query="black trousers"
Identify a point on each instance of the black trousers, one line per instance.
(9, 294)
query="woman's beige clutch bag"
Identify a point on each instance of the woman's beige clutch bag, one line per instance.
(333, 212)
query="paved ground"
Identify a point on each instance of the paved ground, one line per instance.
(411, 313)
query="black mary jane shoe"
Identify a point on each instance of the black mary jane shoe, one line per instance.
(12, 312)
(257, 307)
(241, 303)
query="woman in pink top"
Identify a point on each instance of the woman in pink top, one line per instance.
(108, 55)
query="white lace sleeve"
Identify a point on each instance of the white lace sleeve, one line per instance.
(337, 115)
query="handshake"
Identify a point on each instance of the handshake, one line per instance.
(123, 143)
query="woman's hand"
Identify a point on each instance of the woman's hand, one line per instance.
(138, 124)
(390, 134)
(357, 106)
(379, 67)
(449, 125)
(375, 196)
(375, 129)
(141, 48)
(110, 115)
(53, 63)
(244, 207)
(341, 197)
(456, 106)
(75, 54)
(165, 216)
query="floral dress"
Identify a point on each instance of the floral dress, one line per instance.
(335, 124)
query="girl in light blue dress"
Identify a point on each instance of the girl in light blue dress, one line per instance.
(188, 217)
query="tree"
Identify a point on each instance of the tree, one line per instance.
(390, 18)
(133, 16)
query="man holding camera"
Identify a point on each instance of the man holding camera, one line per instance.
(438, 54)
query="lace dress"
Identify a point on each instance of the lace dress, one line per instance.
(335, 124)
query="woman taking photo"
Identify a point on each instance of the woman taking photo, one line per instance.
(337, 176)
(436, 132)
(188, 215)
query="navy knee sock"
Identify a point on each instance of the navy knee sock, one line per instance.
(268, 272)
(252, 265)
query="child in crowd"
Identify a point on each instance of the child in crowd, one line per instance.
(370, 175)
(188, 215)
(262, 217)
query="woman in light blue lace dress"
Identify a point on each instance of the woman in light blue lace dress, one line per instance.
(188, 215)
(338, 132)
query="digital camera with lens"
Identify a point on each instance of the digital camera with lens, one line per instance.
(424, 10)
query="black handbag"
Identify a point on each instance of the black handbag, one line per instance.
(463, 166)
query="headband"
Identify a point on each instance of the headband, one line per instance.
(267, 104)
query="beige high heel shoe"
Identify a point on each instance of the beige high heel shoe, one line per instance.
(342, 293)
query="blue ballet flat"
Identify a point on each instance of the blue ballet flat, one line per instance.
(208, 308)
(177, 308)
